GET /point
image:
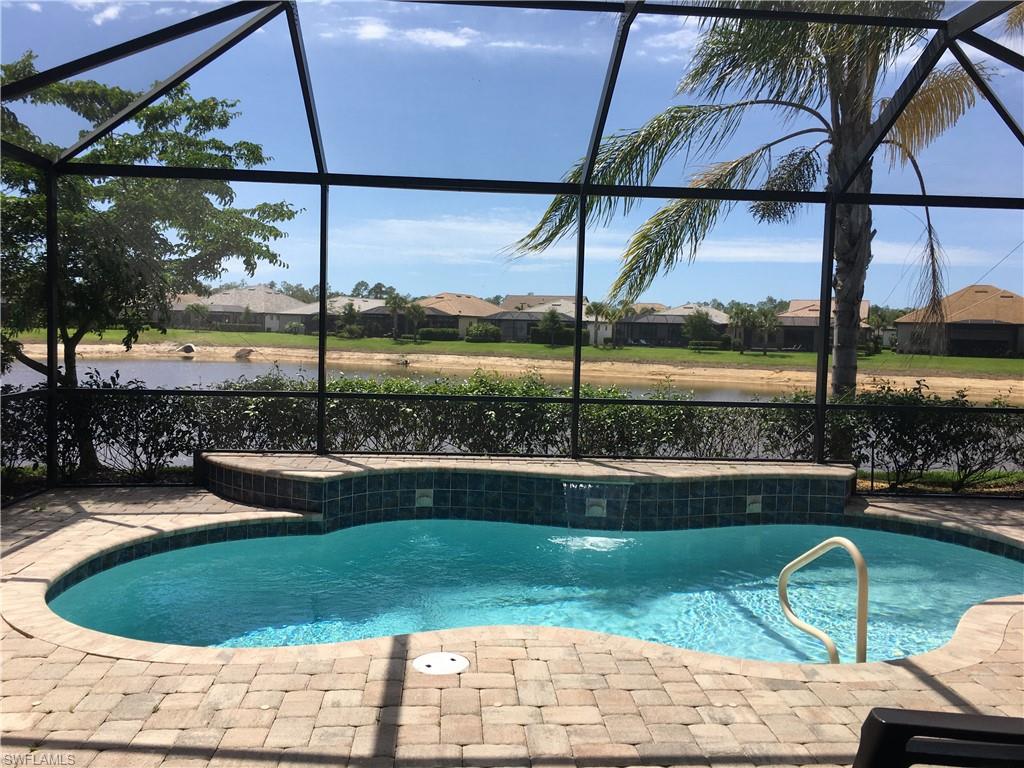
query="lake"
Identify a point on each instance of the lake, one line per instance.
(180, 373)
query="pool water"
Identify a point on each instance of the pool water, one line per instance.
(710, 590)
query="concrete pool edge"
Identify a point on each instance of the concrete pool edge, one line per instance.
(978, 634)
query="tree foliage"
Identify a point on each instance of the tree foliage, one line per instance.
(127, 246)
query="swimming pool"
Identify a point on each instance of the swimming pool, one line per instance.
(710, 590)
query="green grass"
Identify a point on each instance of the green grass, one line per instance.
(883, 363)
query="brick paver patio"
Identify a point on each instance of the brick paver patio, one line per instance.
(533, 695)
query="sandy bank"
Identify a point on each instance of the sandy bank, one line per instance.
(767, 380)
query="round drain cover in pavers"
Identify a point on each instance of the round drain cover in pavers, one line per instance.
(440, 663)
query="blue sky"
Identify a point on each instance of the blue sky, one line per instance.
(492, 93)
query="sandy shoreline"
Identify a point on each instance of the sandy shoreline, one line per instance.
(767, 380)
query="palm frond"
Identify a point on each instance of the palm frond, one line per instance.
(930, 331)
(792, 60)
(796, 171)
(937, 106)
(634, 158)
(676, 230)
(1014, 21)
(758, 59)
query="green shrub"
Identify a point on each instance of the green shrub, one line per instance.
(562, 337)
(296, 328)
(479, 332)
(441, 334)
(904, 434)
(350, 331)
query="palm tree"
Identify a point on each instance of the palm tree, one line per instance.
(742, 318)
(600, 310)
(397, 303)
(415, 315)
(619, 312)
(824, 74)
(877, 324)
(766, 321)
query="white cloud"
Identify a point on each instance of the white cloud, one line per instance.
(483, 239)
(34, 7)
(377, 29)
(671, 46)
(523, 45)
(682, 39)
(439, 38)
(808, 251)
(109, 12)
(372, 29)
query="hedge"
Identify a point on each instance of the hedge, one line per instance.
(439, 334)
(145, 437)
(563, 336)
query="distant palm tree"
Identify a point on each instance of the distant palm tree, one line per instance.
(826, 73)
(397, 303)
(741, 319)
(877, 324)
(415, 315)
(767, 321)
(599, 310)
(619, 312)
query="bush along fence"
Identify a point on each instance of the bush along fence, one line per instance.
(117, 431)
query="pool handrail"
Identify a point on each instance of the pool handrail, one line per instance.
(862, 595)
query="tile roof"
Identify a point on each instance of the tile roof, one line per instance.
(804, 312)
(530, 300)
(463, 304)
(258, 298)
(677, 314)
(335, 306)
(977, 304)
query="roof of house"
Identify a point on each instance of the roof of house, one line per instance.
(462, 304)
(186, 300)
(805, 312)
(335, 306)
(385, 310)
(530, 300)
(977, 304)
(258, 298)
(678, 314)
(654, 306)
(565, 306)
(530, 315)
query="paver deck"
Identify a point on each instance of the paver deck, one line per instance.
(533, 695)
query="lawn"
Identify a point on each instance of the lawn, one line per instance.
(883, 363)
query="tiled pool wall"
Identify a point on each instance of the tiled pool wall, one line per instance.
(654, 505)
(376, 497)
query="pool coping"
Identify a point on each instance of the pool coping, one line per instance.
(977, 636)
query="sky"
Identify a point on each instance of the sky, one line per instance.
(457, 91)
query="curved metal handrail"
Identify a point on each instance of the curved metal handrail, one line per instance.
(862, 595)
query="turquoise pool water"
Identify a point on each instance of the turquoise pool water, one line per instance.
(711, 590)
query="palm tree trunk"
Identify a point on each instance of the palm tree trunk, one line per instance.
(853, 234)
(852, 254)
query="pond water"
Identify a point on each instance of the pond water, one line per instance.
(178, 373)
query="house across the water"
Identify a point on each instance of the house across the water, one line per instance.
(979, 320)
